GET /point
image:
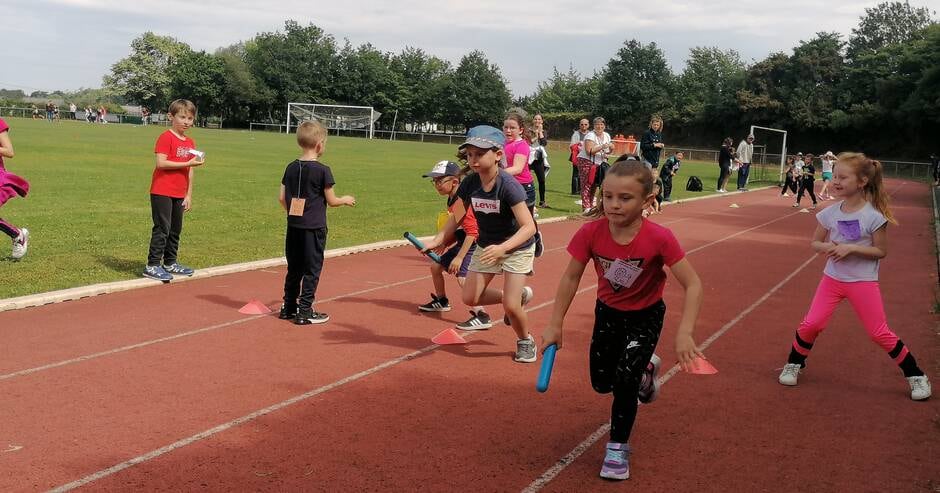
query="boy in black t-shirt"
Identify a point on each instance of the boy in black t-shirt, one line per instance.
(807, 181)
(306, 190)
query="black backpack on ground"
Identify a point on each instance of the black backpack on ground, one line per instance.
(694, 184)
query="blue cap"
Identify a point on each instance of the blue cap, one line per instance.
(484, 137)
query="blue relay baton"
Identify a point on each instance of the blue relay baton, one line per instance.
(545, 372)
(420, 246)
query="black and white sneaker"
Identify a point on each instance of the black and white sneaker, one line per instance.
(287, 312)
(308, 316)
(479, 320)
(526, 297)
(539, 245)
(436, 305)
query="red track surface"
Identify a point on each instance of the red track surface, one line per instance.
(468, 417)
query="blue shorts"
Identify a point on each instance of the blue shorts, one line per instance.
(451, 254)
(827, 175)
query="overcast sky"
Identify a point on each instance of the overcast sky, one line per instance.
(67, 44)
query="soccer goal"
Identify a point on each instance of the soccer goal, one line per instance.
(770, 137)
(343, 119)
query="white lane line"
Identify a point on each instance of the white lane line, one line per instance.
(261, 412)
(225, 426)
(570, 457)
(201, 330)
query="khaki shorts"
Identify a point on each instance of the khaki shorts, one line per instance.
(518, 262)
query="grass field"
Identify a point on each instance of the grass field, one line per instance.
(88, 210)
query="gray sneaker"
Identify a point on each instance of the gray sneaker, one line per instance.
(527, 295)
(526, 350)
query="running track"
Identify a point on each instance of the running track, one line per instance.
(170, 388)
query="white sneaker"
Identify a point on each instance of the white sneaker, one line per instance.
(20, 244)
(920, 387)
(791, 371)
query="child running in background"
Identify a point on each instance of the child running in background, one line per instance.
(629, 254)
(11, 186)
(171, 192)
(789, 180)
(807, 181)
(506, 244)
(853, 233)
(306, 190)
(828, 161)
(446, 176)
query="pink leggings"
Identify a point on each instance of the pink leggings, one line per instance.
(865, 297)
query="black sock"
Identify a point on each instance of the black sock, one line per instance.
(909, 366)
(796, 358)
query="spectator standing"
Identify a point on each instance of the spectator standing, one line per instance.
(594, 151)
(725, 158)
(670, 169)
(745, 153)
(72, 110)
(651, 144)
(935, 163)
(577, 139)
(538, 156)
(49, 110)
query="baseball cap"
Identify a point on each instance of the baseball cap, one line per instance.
(799, 154)
(443, 168)
(484, 137)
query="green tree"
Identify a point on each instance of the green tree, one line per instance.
(885, 24)
(144, 76)
(636, 84)
(474, 93)
(298, 65)
(817, 70)
(367, 78)
(244, 98)
(419, 82)
(564, 92)
(707, 90)
(200, 78)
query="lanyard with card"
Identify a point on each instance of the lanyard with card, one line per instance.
(622, 273)
(297, 203)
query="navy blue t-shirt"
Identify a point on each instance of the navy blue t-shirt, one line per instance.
(493, 209)
(310, 179)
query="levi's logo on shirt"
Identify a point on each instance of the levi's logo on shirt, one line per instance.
(485, 206)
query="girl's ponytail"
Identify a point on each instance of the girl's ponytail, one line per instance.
(874, 190)
(877, 194)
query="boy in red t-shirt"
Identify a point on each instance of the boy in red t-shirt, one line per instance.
(629, 253)
(171, 192)
(446, 176)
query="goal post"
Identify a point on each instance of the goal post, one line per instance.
(333, 116)
(783, 146)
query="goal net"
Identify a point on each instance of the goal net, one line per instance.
(773, 141)
(344, 119)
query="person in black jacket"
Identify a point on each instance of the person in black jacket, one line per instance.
(651, 145)
(807, 181)
(725, 157)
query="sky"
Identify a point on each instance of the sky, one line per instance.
(68, 44)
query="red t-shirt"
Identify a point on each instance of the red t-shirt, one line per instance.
(172, 182)
(469, 222)
(653, 247)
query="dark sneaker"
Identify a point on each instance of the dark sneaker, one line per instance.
(539, 247)
(649, 384)
(526, 350)
(436, 305)
(308, 316)
(20, 244)
(526, 297)
(178, 269)
(478, 320)
(616, 461)
(287, 312)
(158, 273)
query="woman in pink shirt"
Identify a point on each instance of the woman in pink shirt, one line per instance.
(516, 152)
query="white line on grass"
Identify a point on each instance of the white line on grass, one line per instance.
(244, 419)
